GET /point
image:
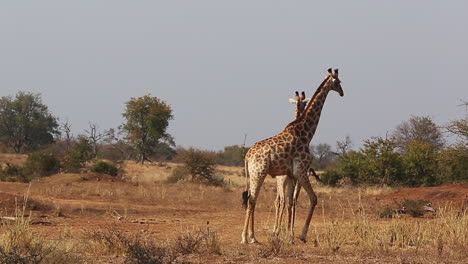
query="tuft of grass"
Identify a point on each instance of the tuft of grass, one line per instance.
(212, 243)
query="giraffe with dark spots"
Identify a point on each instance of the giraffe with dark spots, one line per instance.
(284, 183)
(261, 159)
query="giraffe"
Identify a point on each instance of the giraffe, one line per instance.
(284, 184)
(286, 153)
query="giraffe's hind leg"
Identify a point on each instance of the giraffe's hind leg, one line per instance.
(256, 181)
(297, 191)
(291, 207)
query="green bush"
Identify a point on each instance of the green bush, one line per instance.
(331, 177)
(13, 173)
(351, 165)
(420, 164)
(41, 164)
(80, 152)
(453, 164)
(201, 166)
(104, 167)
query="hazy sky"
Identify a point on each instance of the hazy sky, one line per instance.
(228, 67)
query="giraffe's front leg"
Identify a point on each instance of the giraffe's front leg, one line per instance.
(278, 201)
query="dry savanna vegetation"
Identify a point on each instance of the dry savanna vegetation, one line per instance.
(129, 195)
(139, 217)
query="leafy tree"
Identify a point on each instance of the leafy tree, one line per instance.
(352, 165)
(26, 123)
(201, 165)
(420, 128)
(459, 128)
(453, 164)
(383, 164)
(453, 161)
(147, 119)
(420, 164)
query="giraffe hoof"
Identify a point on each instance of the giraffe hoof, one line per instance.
(253, 241)
(303, 239)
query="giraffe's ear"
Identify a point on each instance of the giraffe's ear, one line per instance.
(306, 100)
(336, 72)
(292, 100)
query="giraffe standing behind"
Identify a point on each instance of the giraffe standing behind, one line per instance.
(286, 153)
(285, 185)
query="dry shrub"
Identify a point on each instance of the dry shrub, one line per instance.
(137, 248)
(144, 251)
(273, 247)
(414, 207)
(386, 212)
(197, 241)
(141, 248)
(212, 243)
(188, 242)
(111, 241)
(19, 245)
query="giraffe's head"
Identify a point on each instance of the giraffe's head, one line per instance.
(332, 82)
(300, 101)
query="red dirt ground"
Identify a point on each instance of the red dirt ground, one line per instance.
(456, 194)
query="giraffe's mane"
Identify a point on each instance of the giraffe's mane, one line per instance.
(309, 105)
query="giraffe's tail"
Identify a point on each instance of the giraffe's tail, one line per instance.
(245, 194)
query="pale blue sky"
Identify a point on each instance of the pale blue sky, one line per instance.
(229, 67)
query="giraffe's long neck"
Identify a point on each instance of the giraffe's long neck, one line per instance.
(299, 109)
(309, 121)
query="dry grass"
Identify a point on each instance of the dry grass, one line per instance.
(20, 244)
(345, 228)
(13, 159)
